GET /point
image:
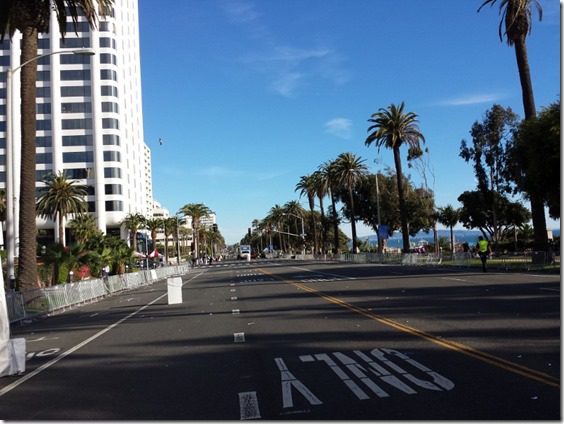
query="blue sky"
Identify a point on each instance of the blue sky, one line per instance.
(249, 95)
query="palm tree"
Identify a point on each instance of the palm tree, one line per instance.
(307, 187)
(84, 227)
(133, 223)
(32, 18)
(328, 175)
(349, 170)
(154, 225)
(392, 128)
(60, 198)
(517, 16)
(169, 227)
(321, 187)
(293, 209)
(449, 216)
(196, 211)
(275, 215)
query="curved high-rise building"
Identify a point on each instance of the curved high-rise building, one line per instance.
(89, 115)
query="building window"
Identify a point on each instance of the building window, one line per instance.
(114, 206)
(41, 92)
(112, 156)
(111, 172)
(43, 141)
(108, 74)
(75, 75)
(44, 158)
(91, 206)
(5, 60)
(109, 90)
(77, 140)
(77, 124)
(111, 140)
(72, 157)
(85, 107)
(107, 58)
(43, 108)
(40, 174)
(113, 189)
(76, 91)
(43, 124)
(74, 43)
(110, 123)
(110, 107)
(77, 173)
(43, 75)
(75, 59)
(77, 27)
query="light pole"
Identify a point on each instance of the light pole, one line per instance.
(12, 191)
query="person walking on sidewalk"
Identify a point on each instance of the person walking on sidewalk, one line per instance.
(483, 248)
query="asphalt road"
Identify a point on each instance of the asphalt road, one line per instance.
(301, 341)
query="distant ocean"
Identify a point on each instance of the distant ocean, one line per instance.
(422, 237)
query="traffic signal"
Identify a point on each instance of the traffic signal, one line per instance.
(214, 227)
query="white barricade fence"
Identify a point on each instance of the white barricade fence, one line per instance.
(32, 302)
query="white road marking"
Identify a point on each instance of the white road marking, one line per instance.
(235, 311)
(73, 349)
(288, 381)
(248, 406)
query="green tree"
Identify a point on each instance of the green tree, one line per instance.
(32, 18)
(515, 25)
(488, 154)
(349, 170)
(474, 215)
(169, 227)
(197, 211)
(60, 198)
(534, 157)
(449, 216)
(393, 128)
(83, 227)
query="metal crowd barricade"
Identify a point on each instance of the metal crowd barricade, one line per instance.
(22, 305)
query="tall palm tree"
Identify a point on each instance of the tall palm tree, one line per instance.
(449, 216)
(517, 16)
(60, 198)
(154, 225)
(307, 187)
(196, 211)
(330, 179)
(321, 188)
(169, 227)
(392, 128)
(276, 215)
(133, 223)
(291, 210)
(349, 170)
(32, 18)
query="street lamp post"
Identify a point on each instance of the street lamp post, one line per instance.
(12, 218)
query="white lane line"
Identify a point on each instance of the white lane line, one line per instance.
(248, 406)
(235, 311)
(52, 362)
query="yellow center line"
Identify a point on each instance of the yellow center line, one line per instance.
(448, 344)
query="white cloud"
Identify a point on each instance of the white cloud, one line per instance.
(287, 83)
(339, 127)
(472, 99)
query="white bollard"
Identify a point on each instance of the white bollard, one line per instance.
(174, 285)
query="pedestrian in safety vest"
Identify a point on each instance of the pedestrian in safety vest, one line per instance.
(483, 248)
